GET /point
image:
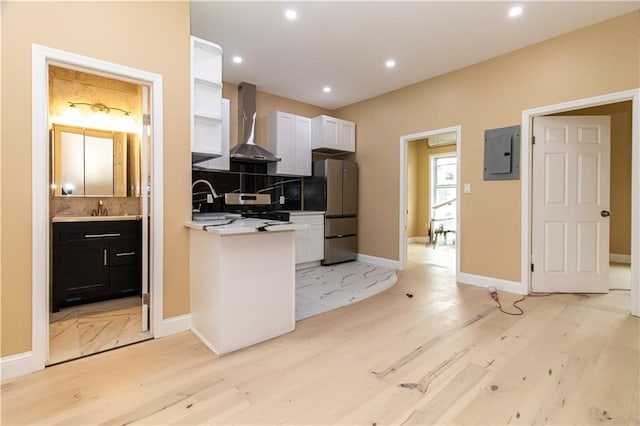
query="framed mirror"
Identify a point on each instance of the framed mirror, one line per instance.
(94, 163)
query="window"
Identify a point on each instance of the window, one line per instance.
(444, 179)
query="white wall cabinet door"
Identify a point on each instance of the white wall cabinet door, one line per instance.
(333, 135)
(289, 137)
(206, 93)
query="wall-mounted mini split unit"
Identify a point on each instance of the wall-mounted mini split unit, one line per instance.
(441, 140)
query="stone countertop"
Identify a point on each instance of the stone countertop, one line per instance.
(233, 226)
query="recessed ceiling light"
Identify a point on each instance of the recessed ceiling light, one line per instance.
(237, 60)
(515, 11)
(290, 14)
(390, 63)
(326, 89)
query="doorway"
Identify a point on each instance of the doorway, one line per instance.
(97, 292)
(631, 97)
(429, 211)
(151, 187)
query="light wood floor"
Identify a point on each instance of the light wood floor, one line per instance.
(443, 356)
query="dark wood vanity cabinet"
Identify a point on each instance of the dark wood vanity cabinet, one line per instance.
(95, 260)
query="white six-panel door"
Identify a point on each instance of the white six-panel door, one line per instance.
(570, 190)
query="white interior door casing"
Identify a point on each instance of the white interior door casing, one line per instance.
(570, 190)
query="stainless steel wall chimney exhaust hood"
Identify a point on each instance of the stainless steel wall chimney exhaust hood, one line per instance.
(247, 150)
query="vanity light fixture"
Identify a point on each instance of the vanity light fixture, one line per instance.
(98, 107)
(97, 118)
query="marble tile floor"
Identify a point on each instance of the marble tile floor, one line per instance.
(83, 330)
(325, 288)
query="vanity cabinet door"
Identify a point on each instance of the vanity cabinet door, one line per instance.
(80, 271)
(95, 261)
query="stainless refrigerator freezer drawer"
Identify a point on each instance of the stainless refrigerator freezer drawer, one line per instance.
(338, 250)
(336, 226)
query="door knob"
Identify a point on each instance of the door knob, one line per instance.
(605, 213)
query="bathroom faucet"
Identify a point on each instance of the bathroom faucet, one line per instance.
(100, 211)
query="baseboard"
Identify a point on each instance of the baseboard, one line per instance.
(204, 341)
(174, 325)
(482, 281)
(17, 365)
(620, 258)
(422, 240)
(379, 261)
(307, 265)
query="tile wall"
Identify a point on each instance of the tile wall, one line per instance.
(245, 178)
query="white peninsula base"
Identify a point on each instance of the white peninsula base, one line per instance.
(242, 287)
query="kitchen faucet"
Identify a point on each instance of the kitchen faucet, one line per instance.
(100, 211)
(214, 194)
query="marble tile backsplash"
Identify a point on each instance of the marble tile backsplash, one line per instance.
(82, 206)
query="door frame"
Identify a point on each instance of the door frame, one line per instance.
(526, 181)
(42, 57)
(404, 169)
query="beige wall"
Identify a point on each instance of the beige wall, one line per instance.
(620, 193)
(413, 188)
(151, 36)
(484, 96)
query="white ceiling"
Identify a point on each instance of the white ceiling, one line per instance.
(345, 44)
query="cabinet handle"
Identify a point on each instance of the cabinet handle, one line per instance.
(101, 235)
(129, 253)
(104, 251)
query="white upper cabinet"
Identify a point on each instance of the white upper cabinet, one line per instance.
(206, 95)
(332, 135)
(222, 162)
(289, 137)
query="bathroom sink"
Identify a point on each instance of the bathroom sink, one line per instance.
(94, 218)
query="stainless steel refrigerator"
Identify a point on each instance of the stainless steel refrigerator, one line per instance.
(334, 189)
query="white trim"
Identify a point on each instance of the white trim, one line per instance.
(620, 258)
(404, 141)
(175, 325)
(378, 261)
(16, 365)
(41, 57)
(483, 281)
(525, 167)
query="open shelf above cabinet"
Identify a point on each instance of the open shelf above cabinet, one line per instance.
(206, 96)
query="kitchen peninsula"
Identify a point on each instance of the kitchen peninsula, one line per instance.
(242, 281)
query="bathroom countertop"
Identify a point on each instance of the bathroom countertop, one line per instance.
(94, 218)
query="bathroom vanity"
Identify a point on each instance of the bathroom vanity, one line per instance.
(95, 258)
